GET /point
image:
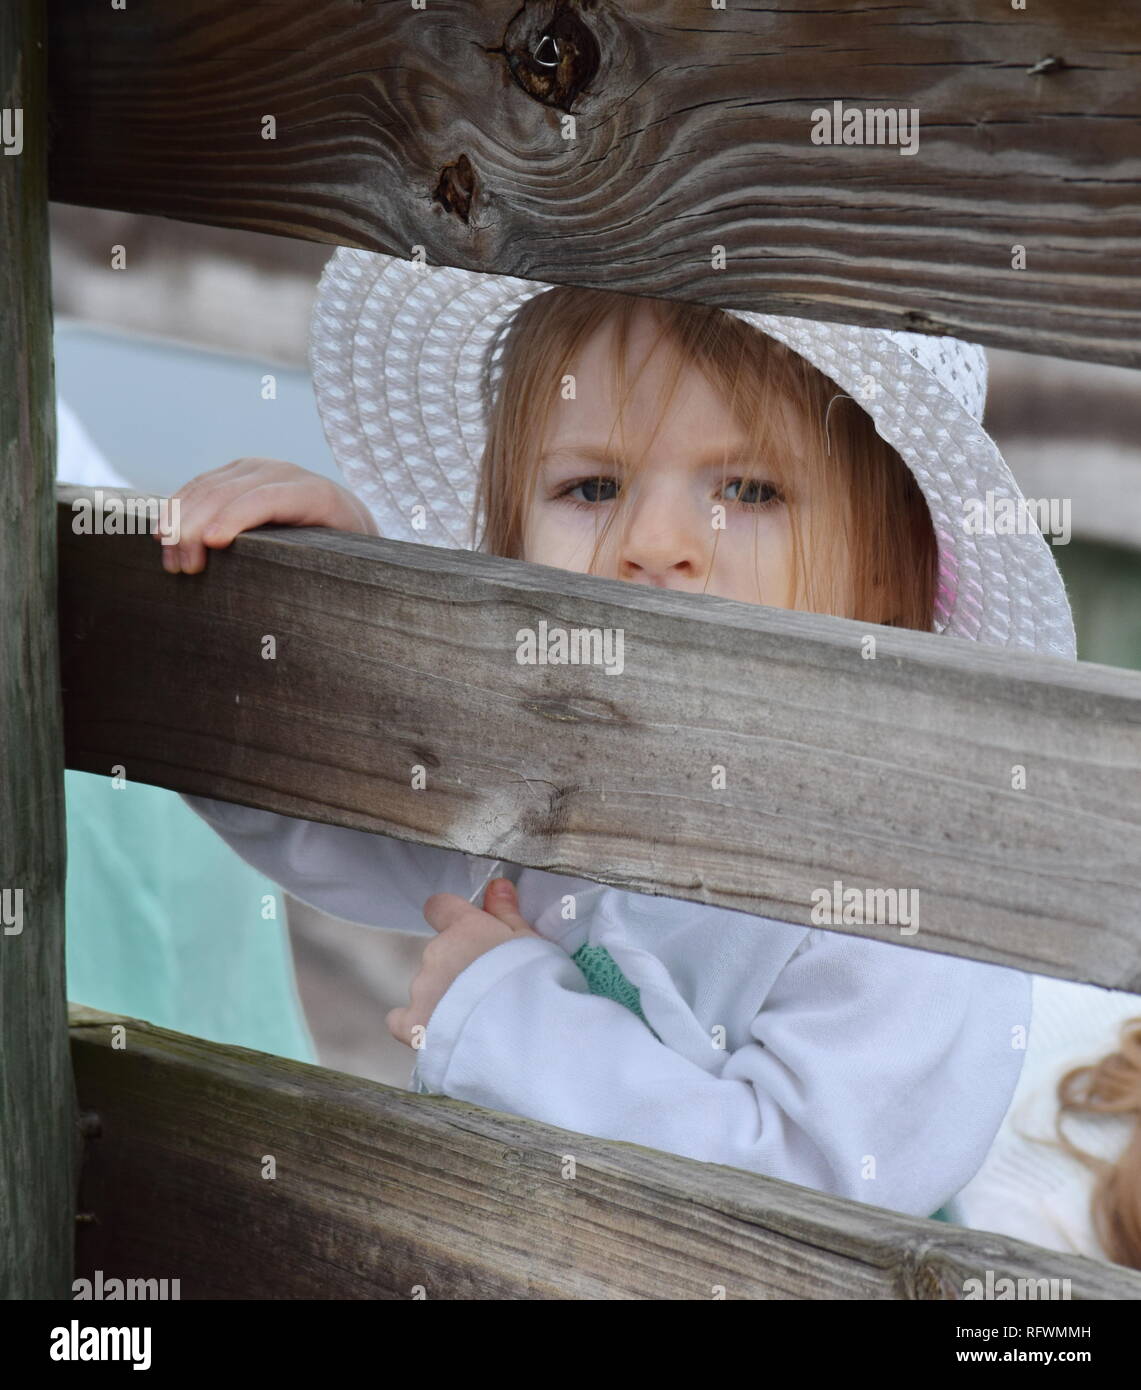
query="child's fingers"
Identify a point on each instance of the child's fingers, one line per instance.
(230, 509)
(206, 482)
(234, 471)
(501, 901)
(444, 910)
(224, 480)
(189, 557)
(197, 514)
(395, 1020)
(288, 503)
(197, 504)
(201, 499)
(188, 554)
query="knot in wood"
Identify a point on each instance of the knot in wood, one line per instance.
(455, 187)
(552, 52)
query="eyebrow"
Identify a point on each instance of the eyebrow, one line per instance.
(592, 453)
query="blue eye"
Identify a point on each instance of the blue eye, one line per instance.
(598, 490)
(591, 488)
(757, 494)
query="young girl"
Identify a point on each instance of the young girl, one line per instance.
(763, 459)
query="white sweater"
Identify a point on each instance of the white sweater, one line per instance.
(1031, 1190)
(869, 1070)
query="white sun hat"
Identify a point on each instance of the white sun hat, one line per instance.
(406, 359)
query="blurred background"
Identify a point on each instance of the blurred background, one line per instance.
(159, 368)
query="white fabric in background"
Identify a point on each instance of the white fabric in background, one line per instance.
(1034, 1191)
(78, 460)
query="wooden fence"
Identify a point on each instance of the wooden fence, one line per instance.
(902, 777)
(379, 1192)
(393, 128)
(38, 1139)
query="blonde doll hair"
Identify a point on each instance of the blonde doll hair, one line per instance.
(869, 552)
(1110, 1086)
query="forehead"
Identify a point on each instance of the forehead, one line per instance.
(652, 393)
(690, 415)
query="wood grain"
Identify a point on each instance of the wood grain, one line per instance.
(378, 1192)
(37, 1100)
(441, 127)
(886, 773)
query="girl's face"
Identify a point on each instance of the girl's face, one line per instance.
(687, 488)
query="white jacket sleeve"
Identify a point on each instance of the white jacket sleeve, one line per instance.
(353, 874)
(875, 1072)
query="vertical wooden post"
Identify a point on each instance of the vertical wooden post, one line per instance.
(37, 1099)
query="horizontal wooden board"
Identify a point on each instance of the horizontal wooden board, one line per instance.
(443, 127)
(377, 1192)
(893, 773)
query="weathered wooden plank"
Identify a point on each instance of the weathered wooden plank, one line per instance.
(37, 1101)
(441, 127)
(892, 773)
(376, 1191)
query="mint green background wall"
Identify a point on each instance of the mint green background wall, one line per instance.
(165, 922)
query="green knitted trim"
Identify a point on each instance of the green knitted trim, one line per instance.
(604, 977)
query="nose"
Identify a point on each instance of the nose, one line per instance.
(665, 542)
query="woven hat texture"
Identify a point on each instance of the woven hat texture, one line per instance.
(406, 359)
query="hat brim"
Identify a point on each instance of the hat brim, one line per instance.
(402, 355)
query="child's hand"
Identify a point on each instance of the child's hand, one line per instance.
(465, 934)
(216, 506)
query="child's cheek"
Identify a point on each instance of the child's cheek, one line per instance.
(562, 538)
(754, 558)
